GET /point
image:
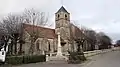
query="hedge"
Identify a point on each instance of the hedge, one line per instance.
(14, 60)
(25, 59)
(34, 59)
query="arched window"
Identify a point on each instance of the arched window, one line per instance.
(49, 46)
(65, 16)
(58, 15)
(37, 46)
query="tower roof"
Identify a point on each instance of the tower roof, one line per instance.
(62, 9)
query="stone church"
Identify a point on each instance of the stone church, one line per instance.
(47, 40)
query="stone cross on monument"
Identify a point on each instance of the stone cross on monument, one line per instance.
(59, 52)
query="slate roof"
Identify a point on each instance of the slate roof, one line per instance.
(62, 9)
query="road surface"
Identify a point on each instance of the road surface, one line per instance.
(110, 59)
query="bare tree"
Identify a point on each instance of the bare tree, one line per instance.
(104, 40)
(101, 34)
(35, 18)
(77, 35)
(87, 35)
(117, 43)
(91, 34)
(11, 26)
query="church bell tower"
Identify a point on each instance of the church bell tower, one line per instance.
(62, 23)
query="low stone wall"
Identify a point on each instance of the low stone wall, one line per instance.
(96, 52)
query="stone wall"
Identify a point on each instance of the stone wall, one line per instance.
(41, 44)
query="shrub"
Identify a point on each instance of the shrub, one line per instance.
(14, 60)
(34, 59)
(76, 57)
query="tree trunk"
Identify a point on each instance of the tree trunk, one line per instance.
(31, 50)
(20, 51)
(5, 45)
(11, 47)
(15, 47)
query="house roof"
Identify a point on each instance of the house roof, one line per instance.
(42, 31)
(62, 9)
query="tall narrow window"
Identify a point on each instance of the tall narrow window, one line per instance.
(58, 15)
(49, 46)
(37, 46)
(65, 16)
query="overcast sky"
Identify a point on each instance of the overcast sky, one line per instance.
(100, 15)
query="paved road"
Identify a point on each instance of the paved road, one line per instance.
(111, 59)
